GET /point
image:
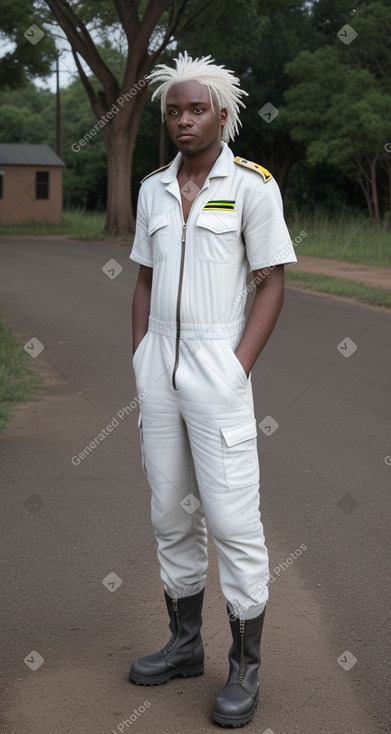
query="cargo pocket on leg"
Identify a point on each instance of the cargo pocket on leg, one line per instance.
(240, 455)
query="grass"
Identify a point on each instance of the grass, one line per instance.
(18, 381)
(349, 237)
(77, 223)
(339, 287)
(353, 238)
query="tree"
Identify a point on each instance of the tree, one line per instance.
(371, 48)
(270, 33)
(342, 115)
(25, 115)
(146, 27)
(24, 57)
(28, 115)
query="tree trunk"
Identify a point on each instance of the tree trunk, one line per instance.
(119, 214)
(389, 187)
(120, 105)
(277, 155)
(375, 197)
(283, 166)
(120, 139)
(162, 145)
(364, 181)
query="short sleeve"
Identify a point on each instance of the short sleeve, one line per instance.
(264, 229)
(142, 246)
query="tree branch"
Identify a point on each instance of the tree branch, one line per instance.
(139, 42)
(86, 83)
(82, 43)
(153, 12)
(128, 15)
(178, 33)
(173, 23)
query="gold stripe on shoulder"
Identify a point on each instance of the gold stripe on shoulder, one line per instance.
(266, 175)
(156, 171)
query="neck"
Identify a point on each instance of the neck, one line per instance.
(201, 163)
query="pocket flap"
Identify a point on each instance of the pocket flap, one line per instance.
(238, 434)
(218, 221)
(161, 220)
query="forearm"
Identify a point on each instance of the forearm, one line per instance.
(141, 306)
(262, 318)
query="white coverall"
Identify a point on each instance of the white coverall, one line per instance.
(198, 430)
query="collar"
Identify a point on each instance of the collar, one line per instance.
(221, 167)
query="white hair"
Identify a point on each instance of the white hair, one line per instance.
(221, 83)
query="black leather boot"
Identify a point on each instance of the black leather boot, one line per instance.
(183, 655)
(236, 703)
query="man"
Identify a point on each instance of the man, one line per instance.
(202, 223)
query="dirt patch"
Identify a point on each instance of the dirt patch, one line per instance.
(368, 274)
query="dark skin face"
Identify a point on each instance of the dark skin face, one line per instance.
(194, 126)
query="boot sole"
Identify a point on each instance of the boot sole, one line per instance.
(230, 722)
(159, 681)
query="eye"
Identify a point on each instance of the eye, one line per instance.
(172, 112)
(198, 110)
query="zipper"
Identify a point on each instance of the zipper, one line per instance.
(180, 283)
(177, 625)
(242, 663)
(178, 304)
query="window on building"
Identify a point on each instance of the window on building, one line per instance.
(42, 184)
(1, 182)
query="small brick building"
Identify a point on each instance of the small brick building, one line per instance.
(30, 184)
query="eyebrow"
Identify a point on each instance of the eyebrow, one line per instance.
(192, 104)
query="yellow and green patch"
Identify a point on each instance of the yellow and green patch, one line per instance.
(220, 205)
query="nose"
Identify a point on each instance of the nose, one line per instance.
(184, 120)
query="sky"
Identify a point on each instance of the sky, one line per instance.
(67, 69)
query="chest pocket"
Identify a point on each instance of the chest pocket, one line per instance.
(158, 231)
(218, 240)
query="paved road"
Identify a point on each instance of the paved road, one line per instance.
(66, 527)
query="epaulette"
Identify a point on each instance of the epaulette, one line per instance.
(156, 171)
(266, 175)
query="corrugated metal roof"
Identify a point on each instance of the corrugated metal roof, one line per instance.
(15, 154)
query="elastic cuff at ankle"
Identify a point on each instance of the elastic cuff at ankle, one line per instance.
(181, 591)
(246, 612)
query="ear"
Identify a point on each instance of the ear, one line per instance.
(223, 116)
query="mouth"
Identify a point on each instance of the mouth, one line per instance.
(184, 136)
